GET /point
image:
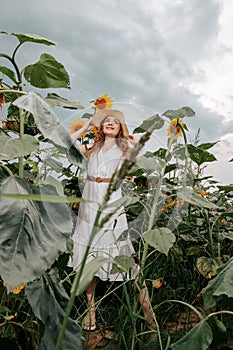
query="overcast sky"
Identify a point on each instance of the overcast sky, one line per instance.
(149, 56)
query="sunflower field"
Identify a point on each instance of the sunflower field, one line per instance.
(180, 221)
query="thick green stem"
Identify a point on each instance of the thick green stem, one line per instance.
(186, 158)
(12, 60)
(21, 133)
(210, 233)
(3, 91)
(155, 203)
(159, 185)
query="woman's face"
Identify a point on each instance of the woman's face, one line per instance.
(111, 126)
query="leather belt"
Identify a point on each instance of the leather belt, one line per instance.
(98, 179)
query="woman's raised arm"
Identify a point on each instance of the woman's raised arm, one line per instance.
(88, 126)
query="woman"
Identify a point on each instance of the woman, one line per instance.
(104, 157)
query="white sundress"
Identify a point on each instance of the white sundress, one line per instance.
(105, 242)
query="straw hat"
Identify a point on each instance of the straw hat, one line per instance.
(103, 113)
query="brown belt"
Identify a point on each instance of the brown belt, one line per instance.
(98, 179)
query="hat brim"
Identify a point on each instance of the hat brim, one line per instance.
(99, 116)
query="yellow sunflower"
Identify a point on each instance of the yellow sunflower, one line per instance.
(204, 194)
(77, 125)
(95, 130)
(175, 128)
(104, 102)
(169, 205)
(17, 289)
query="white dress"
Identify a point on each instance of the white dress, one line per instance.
(107, 241)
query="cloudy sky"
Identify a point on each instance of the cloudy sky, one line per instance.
(149, 56)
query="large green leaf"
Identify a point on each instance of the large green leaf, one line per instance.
(208, 266)
(148, 165)
(220, 285)
(9, 73)
(194, 250)
(198, 338)
(122, 263)
(161, 153)
(89, 271)
(87, 116)
(49, 300)
(179, 151)
(225, 188)
(12, 148)
(50, 126)
(170, 167)
(199, 155)
(55, 100)
(33, 234)
(47, 73)
(34, 38)
(207, 145)
(219, 333)
(54, 183)
(179, 113)
(193, 198)
(148, 123)
(160, 238)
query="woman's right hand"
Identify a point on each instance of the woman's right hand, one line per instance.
(87, 127)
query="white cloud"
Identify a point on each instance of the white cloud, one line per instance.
(158, 54)
(215, 88)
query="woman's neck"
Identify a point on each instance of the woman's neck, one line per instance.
(109, 142)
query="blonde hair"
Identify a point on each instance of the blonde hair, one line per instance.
(121, 142)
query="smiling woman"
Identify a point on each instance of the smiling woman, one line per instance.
(105, 157)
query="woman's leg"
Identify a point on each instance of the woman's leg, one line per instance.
(89, 321)
(147, 309)
(145, 302)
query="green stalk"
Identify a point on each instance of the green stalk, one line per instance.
(186, 156)
(12, 60)
(6, 169)
(13, 90)
(159, 185)
(210, 233)
(155, 203)
(21, 133)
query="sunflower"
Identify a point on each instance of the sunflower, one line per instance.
(17, 289)
(77, 125)
(175, 128)
(169, 205)
(95, 130)
(104, 102)
(204, 194)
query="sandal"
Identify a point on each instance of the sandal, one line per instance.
(89, 321)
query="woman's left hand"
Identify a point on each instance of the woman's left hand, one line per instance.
(132, 139)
